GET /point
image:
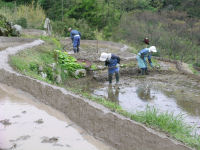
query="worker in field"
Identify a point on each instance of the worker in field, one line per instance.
(142, 56)
(75, 37)
(112, 61)
(146, 41)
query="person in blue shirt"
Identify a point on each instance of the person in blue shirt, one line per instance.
(75, 37)
(142, 56)
(112, 61)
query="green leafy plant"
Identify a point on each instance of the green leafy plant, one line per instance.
(33, 66)
(68, 62)
(93, 67)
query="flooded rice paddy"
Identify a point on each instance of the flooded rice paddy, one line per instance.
(174, 94)
(26, 124)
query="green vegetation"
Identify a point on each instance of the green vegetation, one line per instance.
(6, 28)
(28, 62)
(193, 70)
(68, 63)
(171, 25)
(30, 16)
(93, 67)
(46, 62)
(166, 122)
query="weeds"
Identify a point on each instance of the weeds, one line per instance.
(33, 15)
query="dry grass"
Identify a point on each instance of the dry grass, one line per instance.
(34, 15)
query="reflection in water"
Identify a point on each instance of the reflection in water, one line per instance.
(185, 101)
(113, 94)
(144, 93)
(138, 96)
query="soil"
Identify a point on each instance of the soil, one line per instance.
(170, 87)
(28, 124)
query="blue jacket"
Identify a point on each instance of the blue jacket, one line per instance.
(114, 60)
(73, 33)
(144, 53)
(141, 58)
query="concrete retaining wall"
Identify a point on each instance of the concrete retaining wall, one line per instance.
(114, 129)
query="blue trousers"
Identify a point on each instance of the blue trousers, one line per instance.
(76, 44)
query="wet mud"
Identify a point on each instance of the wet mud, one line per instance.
(174, 94)
(26, 124)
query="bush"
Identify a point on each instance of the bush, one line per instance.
(61, 28)
(33, 14)
(22, 21)
(5, 27)
(68, 63)
(34, 67)
(173, 36)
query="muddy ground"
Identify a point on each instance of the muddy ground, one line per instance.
(167, 88)
(27, 124)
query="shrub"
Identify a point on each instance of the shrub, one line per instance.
(33, 14)
(67, 63)
(34, 67)
(5, 27)
(22, 21)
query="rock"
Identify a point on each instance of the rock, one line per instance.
(5, 122)
(39, 121)
(65, 71)
(101, 77)
(53, 66)
(50, 140)
(101, 67)
(17, 29)
(44, 75)
(80, 72)
(40, 69)
(6, 28)
(58, 78)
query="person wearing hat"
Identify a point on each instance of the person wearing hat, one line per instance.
(75, 37)
(141, 58)
(146, 41)
(112, 61)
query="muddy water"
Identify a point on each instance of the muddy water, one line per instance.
(26, 124)
(136, 94)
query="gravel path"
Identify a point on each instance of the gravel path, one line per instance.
(4, 55)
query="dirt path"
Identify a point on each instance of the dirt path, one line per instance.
(6, 42)
(13, 50)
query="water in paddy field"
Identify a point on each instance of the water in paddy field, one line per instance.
(26, 124)
(135, 96)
